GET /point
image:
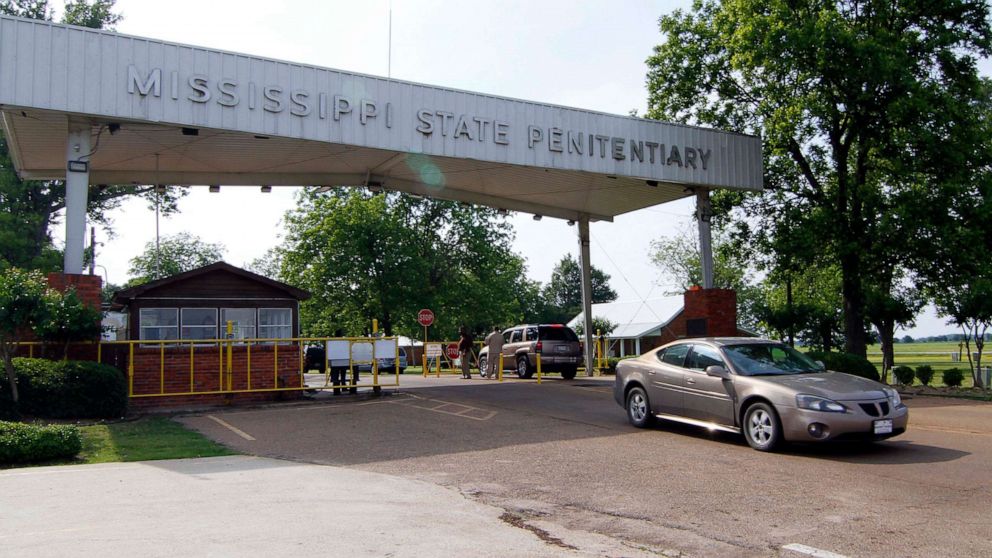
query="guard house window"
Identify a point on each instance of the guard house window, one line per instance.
(159, 324)
(243, 319)
(275, 323)
(199, 323)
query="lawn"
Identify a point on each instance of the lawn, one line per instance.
(144, 439)
(937, 355)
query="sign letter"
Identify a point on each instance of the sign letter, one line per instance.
(151, 85)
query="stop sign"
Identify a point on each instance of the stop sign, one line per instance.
(425, 317)
(452, 350)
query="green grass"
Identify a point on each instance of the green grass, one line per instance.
(144, 439)
(937, 355)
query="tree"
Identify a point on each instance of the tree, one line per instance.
(805, 306)
(28, 209)
(388, 255)
(855, 101)
(175, 254)
(679, 260)
(907, 339)
(68, 320)
(23, 306)
(563, 293)
(599, 324)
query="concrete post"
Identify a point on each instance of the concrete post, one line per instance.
(703, 213)
(586, 268)
(77, 183)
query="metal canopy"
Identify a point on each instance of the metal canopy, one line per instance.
(173, 114)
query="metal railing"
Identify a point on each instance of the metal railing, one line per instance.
(181, 367)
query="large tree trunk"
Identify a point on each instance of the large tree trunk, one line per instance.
(886, 334)
(856, 339)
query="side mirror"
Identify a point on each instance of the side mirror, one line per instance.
(718, 372)
(820, 365)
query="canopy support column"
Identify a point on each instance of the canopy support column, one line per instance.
(77, 183)
(586, 268)
(703, 213)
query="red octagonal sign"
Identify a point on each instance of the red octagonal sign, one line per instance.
(425, 317)
(452, 350)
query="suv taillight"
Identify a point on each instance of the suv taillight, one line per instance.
(538, 347)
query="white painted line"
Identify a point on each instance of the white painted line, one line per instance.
(241, 433)
(810, 551)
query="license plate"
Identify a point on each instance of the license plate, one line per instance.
(883, 426)
(562, 349)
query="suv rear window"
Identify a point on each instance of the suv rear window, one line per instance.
(552, 333)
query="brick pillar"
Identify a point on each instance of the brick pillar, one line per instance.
(87, 286)
(710, 312)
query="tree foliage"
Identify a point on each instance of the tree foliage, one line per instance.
(563, 293)
(23, 306)
(387, 255)
(29, 208)
(175, 254)
(856, 102)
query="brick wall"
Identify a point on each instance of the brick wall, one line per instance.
(169, 371)
(718, 309)
(88, 287)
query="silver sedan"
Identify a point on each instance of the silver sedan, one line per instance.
(764, 389)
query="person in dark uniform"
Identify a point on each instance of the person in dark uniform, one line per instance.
(465, 351)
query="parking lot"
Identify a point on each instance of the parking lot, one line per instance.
(563, 454)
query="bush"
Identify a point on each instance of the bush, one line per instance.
(847, 363)
(8, 410)
(70, 389)
(924, 374)
(904, 375)
(27, 443)
(953, 377)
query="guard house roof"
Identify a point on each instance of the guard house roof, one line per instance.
(188, 284)
(166, 113)
(636, 319)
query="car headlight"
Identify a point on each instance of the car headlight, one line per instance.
(894, 399)
(815, 403)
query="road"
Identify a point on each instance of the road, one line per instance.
(562, 455)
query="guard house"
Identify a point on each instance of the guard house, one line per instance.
(189, 352)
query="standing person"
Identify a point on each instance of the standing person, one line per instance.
(465, 351)
(494, 341)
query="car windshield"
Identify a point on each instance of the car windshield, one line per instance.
(767, 359)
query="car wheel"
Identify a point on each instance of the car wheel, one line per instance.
(523, 368)
(568, 373)
(762, 428)
(483, 361)
(639, 408)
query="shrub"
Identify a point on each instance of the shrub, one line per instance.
(8, 410)
(847, 363)
(953, 377)
(904, 375)
(70, 389)
(26, 443)
(924, 374)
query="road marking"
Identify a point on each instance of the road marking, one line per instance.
(810, 551)
(226, 425)
(447, 408)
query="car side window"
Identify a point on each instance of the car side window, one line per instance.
(532, 334)
(703, 356)
(506, 336)
(674, 355)
(515, 336)
(778, 355)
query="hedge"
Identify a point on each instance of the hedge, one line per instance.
(953, 377)
(28, 443)
(70, 389)
(847, 363)
(904, 375)
(924, 373)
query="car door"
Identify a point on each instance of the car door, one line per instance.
(707, 398)
(666, 379)
(512, 338)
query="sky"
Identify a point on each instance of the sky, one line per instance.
(582, 54)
